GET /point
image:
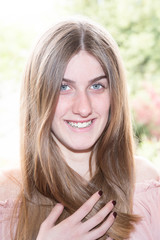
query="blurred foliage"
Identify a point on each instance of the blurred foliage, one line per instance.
(135, 25)
(150, 149)
(13, 52)
(146, 111)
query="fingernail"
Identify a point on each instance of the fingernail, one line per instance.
(114, 214)
(100, 193)
(114, 202)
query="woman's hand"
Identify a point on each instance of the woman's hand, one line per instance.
(72, 228)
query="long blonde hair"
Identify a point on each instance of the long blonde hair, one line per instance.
(47, 179)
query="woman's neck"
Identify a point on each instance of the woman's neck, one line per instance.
(78, 161)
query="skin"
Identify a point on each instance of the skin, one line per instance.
(84, 98)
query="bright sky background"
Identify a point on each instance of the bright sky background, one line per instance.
(32, 13)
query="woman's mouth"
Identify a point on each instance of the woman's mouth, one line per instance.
(79, 124)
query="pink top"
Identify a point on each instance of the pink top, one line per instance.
(146, 204)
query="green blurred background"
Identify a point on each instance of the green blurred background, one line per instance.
(134, 24)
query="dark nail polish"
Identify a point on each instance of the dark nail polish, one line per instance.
(114, 202)
(100, 192)
(114, 214)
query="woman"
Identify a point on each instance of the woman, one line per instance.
(76, 143)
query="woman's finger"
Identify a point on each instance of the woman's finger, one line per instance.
(86, 207)
(100, 231)
(99, 216)
(53, 216)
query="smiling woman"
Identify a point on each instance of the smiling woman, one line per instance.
(78, 180)
(83, 106)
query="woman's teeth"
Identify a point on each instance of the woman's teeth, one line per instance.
(80, 124)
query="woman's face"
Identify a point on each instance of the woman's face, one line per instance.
(83, 106)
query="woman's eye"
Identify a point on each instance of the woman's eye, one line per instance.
(97, 86)
(64, 87)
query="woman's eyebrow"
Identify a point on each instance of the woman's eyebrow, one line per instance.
(90, 81)
(97, 79)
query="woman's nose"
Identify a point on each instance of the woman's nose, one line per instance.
(82, 105)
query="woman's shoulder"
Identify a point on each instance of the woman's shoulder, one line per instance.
(10, 183)
(147, 187)
(145, 170)
(146, 200)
